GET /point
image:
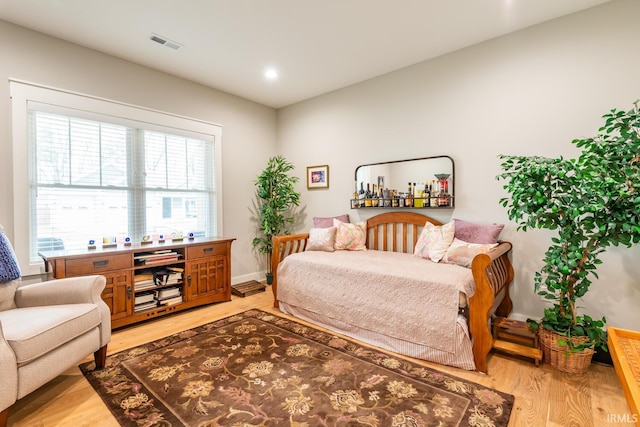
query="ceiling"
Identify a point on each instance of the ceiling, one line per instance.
(316, 46)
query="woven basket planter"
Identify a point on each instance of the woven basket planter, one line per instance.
(561, 356)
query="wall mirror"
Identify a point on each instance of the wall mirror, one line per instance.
(426, 182)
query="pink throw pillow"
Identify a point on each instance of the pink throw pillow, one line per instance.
(350, 237)
(434, 241)
(477, 233)
(326, 222)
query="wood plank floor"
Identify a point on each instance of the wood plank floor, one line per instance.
(544, 396)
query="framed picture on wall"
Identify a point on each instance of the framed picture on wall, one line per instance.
(317, 177)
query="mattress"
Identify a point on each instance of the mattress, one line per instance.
(394, 300)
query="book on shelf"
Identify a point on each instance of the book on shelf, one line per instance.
(167, 293)
(146, 306)
(156, 257)
(161, 260)
(145, 298)
(168, 276)
(144, 286)
(171, 301)
(143, 281)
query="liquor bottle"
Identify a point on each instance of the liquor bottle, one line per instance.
(427, 195)
(417, 199)
(374, 196)
(434, 193)
(443, 200)
(361, 195)
(409, 202)
(354, 197)
(367, 196)
(380, 197)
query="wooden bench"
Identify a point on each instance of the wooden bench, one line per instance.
(624, 346)
(514, 337)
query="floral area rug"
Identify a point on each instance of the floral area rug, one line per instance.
(259, 369)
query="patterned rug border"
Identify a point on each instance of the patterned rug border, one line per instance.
(477, 394)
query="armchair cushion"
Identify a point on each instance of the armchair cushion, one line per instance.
(36, 331)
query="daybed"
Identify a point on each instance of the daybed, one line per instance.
(388, 297)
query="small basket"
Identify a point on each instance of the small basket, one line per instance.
(561, 356)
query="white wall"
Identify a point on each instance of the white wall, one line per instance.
(531, 92)
(248, 135)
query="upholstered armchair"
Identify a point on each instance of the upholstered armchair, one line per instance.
(46, 328)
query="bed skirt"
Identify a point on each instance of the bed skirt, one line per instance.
(462, 358)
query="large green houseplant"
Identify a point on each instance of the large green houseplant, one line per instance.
(277, 195)
(593, 202)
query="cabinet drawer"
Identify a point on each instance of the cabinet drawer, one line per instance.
(97, 264)
(205, 251)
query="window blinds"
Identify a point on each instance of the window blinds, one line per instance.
(91, 179)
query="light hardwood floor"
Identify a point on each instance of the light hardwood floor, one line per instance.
(544, 396)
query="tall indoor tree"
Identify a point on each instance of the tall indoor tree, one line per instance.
(593, 202)
(277, 196)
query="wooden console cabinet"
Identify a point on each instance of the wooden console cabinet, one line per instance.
(200, 273)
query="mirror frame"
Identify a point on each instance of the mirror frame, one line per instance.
(451, 178)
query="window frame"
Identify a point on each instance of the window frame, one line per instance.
(94, 108)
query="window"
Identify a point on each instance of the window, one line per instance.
(92, 174)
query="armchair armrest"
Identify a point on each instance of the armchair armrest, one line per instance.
(8, 373)
(72, 290)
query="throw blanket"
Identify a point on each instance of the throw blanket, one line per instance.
(9, 269)
(396, 294)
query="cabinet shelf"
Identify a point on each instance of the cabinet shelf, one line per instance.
(159, 264)
(402, 207)
(400, 203)
(158, 287)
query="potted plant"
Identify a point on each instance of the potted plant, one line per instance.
(277, 195)
(593, 202)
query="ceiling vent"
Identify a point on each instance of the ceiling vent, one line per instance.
(165, 41)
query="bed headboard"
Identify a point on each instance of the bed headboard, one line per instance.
(396, 231)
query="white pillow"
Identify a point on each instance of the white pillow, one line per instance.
(462, 253)
(434, 241)
(321, 239)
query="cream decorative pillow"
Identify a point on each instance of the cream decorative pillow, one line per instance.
(462, 253)
(434, 241)
(350, 236)
(321, 239)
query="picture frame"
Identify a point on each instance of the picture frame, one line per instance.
(317, 177)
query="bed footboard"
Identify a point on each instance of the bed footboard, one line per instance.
(493, 274)
(284, 246)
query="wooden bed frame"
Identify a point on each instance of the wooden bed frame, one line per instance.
(399, 232)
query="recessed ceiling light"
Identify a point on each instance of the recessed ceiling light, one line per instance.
(271, 74)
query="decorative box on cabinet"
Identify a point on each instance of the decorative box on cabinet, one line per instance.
(202, 270)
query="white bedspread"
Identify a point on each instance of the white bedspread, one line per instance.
(395, 294)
